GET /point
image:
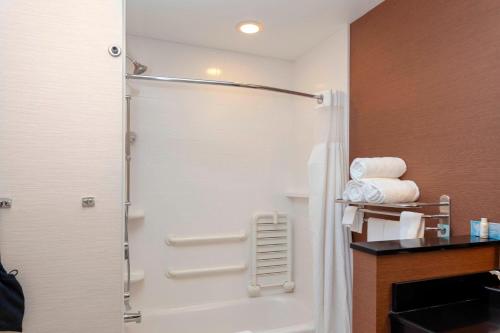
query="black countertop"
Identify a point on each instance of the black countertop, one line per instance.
(380, 248)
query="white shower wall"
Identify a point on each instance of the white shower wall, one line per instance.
(207, 158)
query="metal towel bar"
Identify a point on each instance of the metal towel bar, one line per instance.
(387, 213)
(443, 228)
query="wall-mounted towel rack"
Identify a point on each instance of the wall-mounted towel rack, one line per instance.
(443, 228)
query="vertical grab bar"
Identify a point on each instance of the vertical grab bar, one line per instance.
(128, 316)
(127, 203)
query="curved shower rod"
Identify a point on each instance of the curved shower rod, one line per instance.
(318, 98)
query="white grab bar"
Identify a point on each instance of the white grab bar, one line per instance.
(173, 240)
(187, 273)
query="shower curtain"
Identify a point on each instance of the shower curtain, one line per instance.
(328, 172)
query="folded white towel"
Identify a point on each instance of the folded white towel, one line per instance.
(353, 191)
(380, 229)
(411, 225)
(386, 190)
(353, 219)
(377, 167)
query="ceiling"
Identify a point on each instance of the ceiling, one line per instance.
(291, 27)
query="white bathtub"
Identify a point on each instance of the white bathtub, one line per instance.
(273, 314)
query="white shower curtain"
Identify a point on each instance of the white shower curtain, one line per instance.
(328, 173)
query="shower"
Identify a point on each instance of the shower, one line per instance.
(217, 224)
(138, 67)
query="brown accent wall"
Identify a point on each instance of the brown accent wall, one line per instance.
(425, 86)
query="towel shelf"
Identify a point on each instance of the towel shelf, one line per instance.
(443, 228)
(408, 205)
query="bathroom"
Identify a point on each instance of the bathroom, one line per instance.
(164, 166)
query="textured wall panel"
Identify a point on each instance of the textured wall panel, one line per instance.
(424, 86)
(60, 139)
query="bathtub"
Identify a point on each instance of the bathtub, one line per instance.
(273, 314)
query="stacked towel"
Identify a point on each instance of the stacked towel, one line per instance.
(376, 180)
(377, 167)
(386, 190)
(353, 191)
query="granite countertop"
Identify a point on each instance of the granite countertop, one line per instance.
(421, 245)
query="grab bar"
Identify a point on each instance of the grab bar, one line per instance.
(132, 317)
(207, 239)
(186, 273)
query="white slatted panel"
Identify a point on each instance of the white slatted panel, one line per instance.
(271, 253)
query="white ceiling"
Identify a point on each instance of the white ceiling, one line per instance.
(291, 27)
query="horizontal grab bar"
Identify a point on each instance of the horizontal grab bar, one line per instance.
(132, 317)
(206, 239)
(272, 273)
(186, 273)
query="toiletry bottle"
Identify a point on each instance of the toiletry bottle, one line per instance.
(483, 228)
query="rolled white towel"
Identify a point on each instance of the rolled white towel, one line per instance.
(377, 167)
(387, 190)
(353, 191)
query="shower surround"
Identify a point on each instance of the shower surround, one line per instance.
(205, 160)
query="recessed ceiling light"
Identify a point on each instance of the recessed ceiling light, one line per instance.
(249, 27)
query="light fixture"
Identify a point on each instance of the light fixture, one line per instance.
(213, 71)
(249, 27)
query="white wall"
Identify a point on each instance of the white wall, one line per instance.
(324, 67)
(60, 140)
(206, 159)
